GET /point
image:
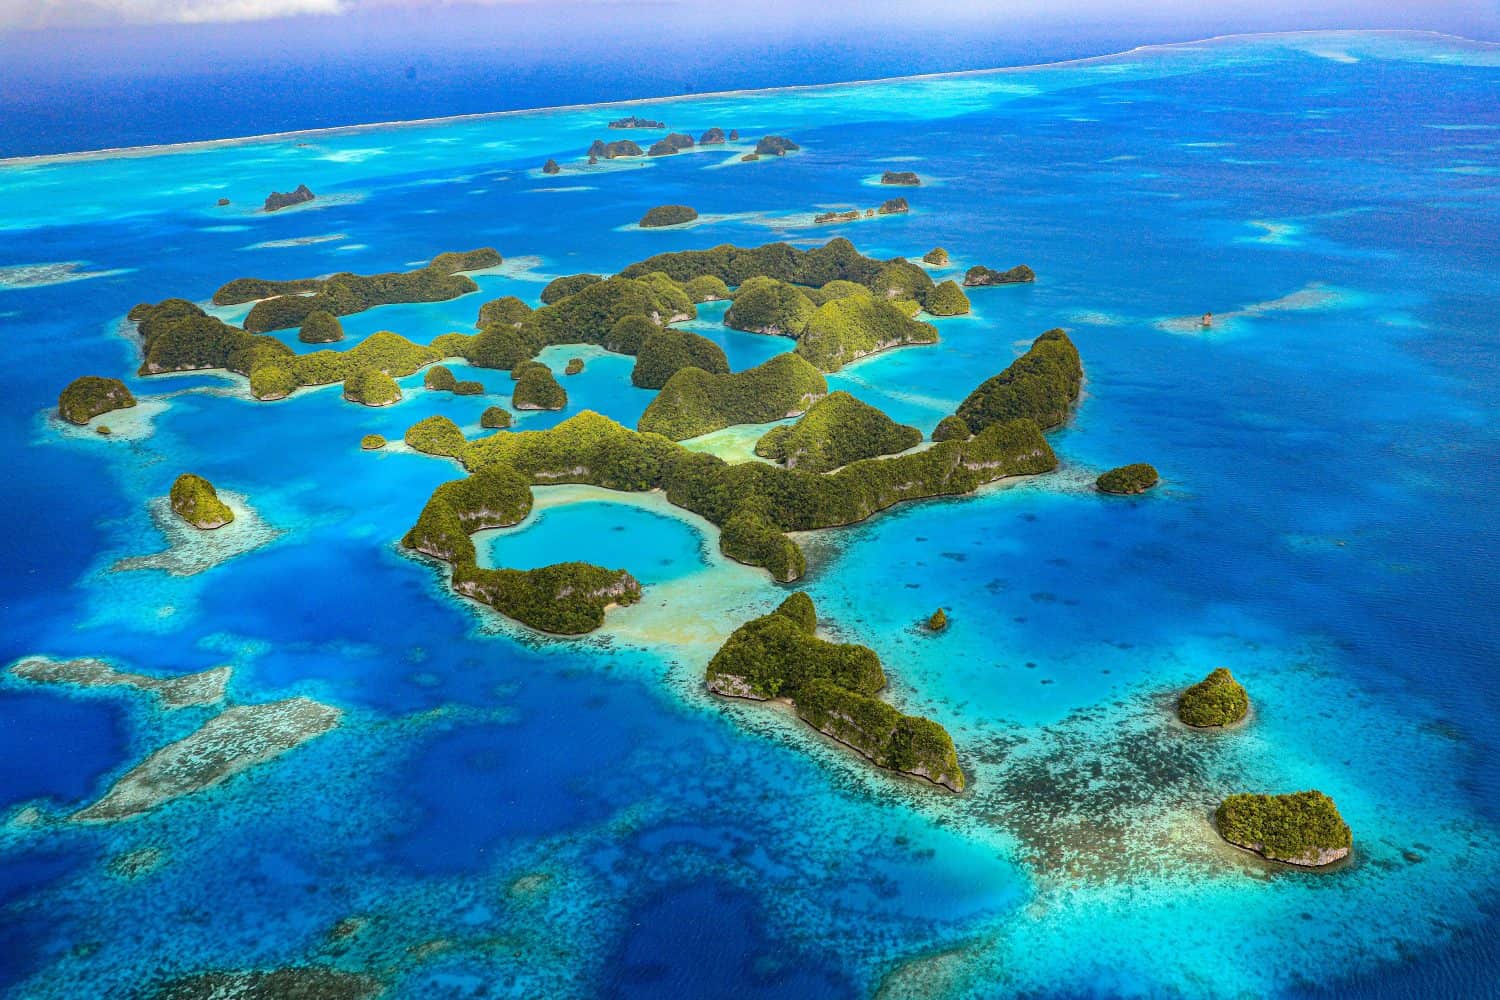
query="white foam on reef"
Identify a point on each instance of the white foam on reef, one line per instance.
(15, 276)
(354, 155)
(192, 550)
(297, 241)
(561, 190)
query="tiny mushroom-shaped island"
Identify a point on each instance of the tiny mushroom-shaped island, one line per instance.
(1217, 700)
(713, 137)
(372, 442)
(893, 206)
(1303, 829)
(1128, 479)
(495, 418)
(938, 621)
(439, 378)
(551, 167)
(937, 256)
(537, 388)
(320, 327)
(573, 367)
(775, 145)
(371, 387)
(195, 500)
(668, 215)
(90, 395)
(278, 200)
(947, 299)
(907, 178)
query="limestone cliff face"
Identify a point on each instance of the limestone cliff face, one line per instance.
(278, 200)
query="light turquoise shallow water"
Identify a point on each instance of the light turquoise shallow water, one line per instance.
(519, 816)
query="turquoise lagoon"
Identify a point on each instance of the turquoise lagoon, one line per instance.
(504, 814)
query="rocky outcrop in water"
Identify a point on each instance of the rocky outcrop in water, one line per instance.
(612, 150)
(905, 178)
(551, 167)
(632, 121)
(893, 206)
(713, 137)
(776, 145)
(277, 200)
(980, 275)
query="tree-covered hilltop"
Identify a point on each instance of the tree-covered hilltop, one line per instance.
(573, 367)
(436, 435)
(1217, 700)
(847, 329)
(1128, 479)
(979, 275)
(753, 503)
(565, 598)
(668, 215)
(947, 299)
(1303, 828)
(695, 402)
(320, 327)
(937, 256)
(667, 351)
(505, 311)
(371, 387)
(833, 688)
(495, 418)
(1041, 385)
(568, 284)
(195, 500)
(775, 145)
(537, 388)
(771, 306)
(372, 442)
(90, 395)
(836, 430)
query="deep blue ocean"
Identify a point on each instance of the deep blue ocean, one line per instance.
(503, 814)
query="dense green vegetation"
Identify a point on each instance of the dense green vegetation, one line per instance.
(436, 435)
(1303, 828)
(195, 500)
(566, 598)
(537, 388)
(981, 275)
(1041, 385)
(495, 418)
(1137, 478)
(668, 215)
(1217, 700)
(847, 329)
(695, 402)
(177, 335)
(468, 387)
(938, 621)
(769, 305)
(664, 352)
(551, 167)
(271, 382)
(947, 299)
(90, 395)
(836, 430)
(833, 687)
(706, 288)
(569, 284)
(439, 378)
(951, 428)
(735, 265)
(372, 442)
(893, 206)
(321, 327)
(346, 293)
(371, 387)
(907, 178)
(504, 311)
(573, 367)
(383, 351)
(590, 315)
(937, 256)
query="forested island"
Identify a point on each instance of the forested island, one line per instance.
(1303, 829)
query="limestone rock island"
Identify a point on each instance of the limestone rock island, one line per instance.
(906, 178)
(1217, 700)
(195, 500)
(551, 167)
(1303, 828)
(631, 121)
(90, 395)
(980, 275)
(278, 200)
(1128, 479)
(668, 215)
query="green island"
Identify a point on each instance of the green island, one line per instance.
(372, 442)
(612, 150)
(495, 418)
(951, 428)
(1303, 828)
(846, 329)
(504, 311)
(937, 621)
(280, 305)
(947, 299)
(87, 396)
(770, 306)
(1217, 700)
(436, 435)
(667, 351)
(668, 215)
(1128, 479)
(893, 206)
(371, 387)
(937, 257)
(195, 500)
(537, 388)
(557, 288)
(1041, 385)
(836, 430)
(565, 598)
(979, 275)
(695, 402)
(439, 378)
(775, 145)
(321, 327)
(832, 687)
(906, 178)
(573, 367)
